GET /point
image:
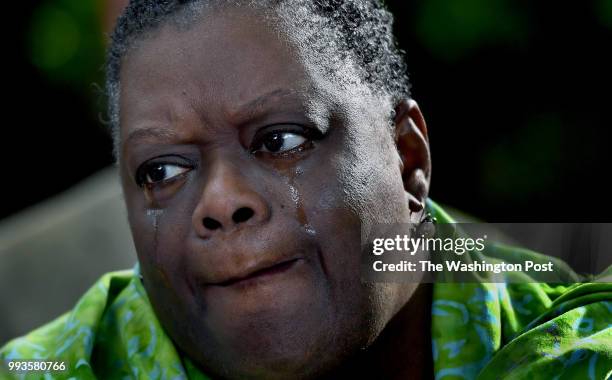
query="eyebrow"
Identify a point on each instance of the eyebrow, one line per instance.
(150, 133)
(252, 108)
(243, 112)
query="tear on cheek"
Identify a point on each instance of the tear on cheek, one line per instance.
(155, 215)
(296, 199)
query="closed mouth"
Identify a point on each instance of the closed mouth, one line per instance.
(260, 273)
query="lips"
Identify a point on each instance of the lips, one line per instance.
(245, 258)
(260, 271)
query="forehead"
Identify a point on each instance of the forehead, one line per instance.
(223, 60)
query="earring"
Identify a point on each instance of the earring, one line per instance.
(427, 225)
(428, 218)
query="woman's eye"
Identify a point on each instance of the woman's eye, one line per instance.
(156, 173)
(279, 142)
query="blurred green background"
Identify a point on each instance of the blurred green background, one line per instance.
(516, 94)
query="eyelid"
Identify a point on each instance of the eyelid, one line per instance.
(308, 132)
(168, 159)
(281, 127)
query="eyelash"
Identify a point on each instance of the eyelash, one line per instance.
(143, 171)
(309, 134)
(259, 140)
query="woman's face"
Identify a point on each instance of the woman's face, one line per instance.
(247, 179)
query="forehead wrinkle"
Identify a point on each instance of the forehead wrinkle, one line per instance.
(253, 108)
(150, 133)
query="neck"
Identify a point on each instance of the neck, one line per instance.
(403, 348)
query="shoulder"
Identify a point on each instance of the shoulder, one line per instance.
(520, 327)
(72, 334)
(569, 335)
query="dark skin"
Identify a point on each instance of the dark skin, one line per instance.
(247, 179)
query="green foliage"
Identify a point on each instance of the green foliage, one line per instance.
(528, 161)
(65, 41)
(452, 29)
(603, 9)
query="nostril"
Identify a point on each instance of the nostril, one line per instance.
(211, 224)
(242, 215)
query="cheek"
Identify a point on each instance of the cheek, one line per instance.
(369, 174)
(159, 238)
(361, 188)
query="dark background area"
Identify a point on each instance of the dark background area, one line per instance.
(516, 94)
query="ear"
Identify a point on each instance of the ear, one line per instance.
(413, 146)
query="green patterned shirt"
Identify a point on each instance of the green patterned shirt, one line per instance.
(479, 331)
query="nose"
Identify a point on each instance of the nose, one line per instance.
(228, 201)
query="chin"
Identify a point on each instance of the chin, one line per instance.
(302, 343)
(279, 346)
(276, 353)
